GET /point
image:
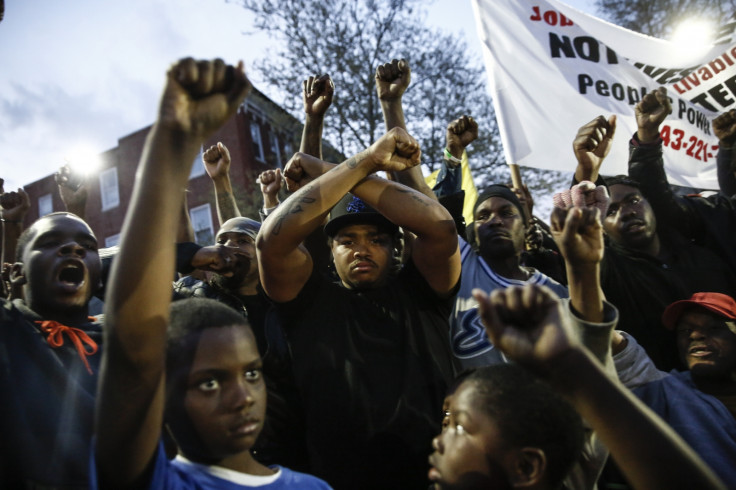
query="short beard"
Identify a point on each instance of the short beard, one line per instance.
(488, 251)
(227, 283)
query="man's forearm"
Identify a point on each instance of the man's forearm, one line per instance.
(311, 143)
(227, 207)
(586, 295)
(303, 211)
(393, 117)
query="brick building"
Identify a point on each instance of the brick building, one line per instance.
(260, 136)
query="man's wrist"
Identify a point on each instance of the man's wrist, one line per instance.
(452, 158)
(647, 137)
(222, 184)
(315, 118)
(390, 99)
(269, 203)
(456, 151)
(363, 161)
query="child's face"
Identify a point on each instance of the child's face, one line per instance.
(226, 395)
(468, 453)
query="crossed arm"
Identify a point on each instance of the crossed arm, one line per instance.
(285, 265)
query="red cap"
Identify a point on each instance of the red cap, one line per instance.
(718, 303)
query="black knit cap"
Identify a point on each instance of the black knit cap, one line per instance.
(352, 210)
(621, 180)
(499, 190)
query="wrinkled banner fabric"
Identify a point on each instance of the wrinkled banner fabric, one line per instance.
(553, 69)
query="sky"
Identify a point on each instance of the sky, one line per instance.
(77, 76)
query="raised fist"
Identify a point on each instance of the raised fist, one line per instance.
(526, 323)
(317, 95)
(460, 133)
(653, 108)
(201, 95)
(394, 151)
(270, 182)
(724, 127)
(216, 161)
(392, 79)
(14, 205)
(591, 146)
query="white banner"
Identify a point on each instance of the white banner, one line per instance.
(554, 68)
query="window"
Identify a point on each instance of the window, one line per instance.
(109, 188)
(112, 240)
(198, 166)
(274, 141)
(255, 134)
(45, 205)
(201, 217)
(288, 150)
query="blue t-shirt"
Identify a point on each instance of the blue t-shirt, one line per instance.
(702, 420)
(470, 343)
(181, 474)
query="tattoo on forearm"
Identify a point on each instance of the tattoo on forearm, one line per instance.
(225, 203)
(416, 196)
(293, 207)
(354, 161)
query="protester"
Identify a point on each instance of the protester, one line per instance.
(369, 352)
(205, 379)
(51, 357)
(237, 284)
(492, 261)
(697, 403)
(646, 266)
(710, 221)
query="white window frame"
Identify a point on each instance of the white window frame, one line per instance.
(110, 199)
(255, 134)
(274, 142)
(45, 205)
(202, 215)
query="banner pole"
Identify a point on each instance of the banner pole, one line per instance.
(515, 175)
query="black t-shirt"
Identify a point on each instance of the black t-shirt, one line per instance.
(371, 369)
(253, 307)
(47, 402)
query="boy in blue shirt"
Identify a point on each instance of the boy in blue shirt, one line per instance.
(203, 377)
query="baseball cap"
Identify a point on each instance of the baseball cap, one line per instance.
(247, 226)
(351, 210)
(718, 303)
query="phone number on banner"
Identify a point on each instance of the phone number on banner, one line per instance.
(692, 146)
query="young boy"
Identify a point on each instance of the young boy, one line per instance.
(204, 378)
(505, 429)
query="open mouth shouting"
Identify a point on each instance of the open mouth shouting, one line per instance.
(71, 275)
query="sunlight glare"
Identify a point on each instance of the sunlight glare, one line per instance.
(693, 35)
(83, 159)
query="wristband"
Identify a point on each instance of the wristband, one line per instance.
(452, 159)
